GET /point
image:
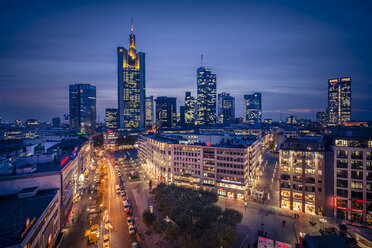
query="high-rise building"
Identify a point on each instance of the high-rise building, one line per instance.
(82, 106)
(253, 108)
(56, 122)
(181, 122)
(166, 111)
(189, 109)
(206, 96)
(131, 86)
(149, 111)
(66, 119)
(111, 118)
(226, 108)
(339, 101)
(322, 117)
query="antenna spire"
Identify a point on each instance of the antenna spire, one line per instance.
(202, 60)
(131, 27)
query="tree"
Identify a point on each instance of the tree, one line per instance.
(148, 218)
(172, 232)
(231, 216)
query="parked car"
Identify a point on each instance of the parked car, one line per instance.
(106, 242)
(131, 229)
(128, 213)
(126, 207)
(135, 245)
(123, 193)
(130, 221)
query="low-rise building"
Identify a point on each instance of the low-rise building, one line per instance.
(222, 162)
(30, 218)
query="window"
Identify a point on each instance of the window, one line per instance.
(369, 186)
(341, 163)
(369, 165)
(342, 192)
(356, 204)
(356, 185)
(341, 203)
(341, 142)
(286, 193)
(357, 155)
(341, 183)
(369, 176)
(342, 173)
(357, 175)
(369, 156)
(297, 195)
(357, 165)
(357, 195)
(341, 154)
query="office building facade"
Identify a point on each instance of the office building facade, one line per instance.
(131, 87)
(82, 106)
(149, 111)
(111, 118)
(166, 111)
(206, 97)
(339, 101)
(195, 160)
(301, 170)
(253, 108)
(226, 108)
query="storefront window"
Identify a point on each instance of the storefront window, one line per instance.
(240, 197)
(285, 204)
(230, 195)
(356, 205)
(286, 193)
(309, 197)
(341, 203)
(297, 206)
(356, 217)
(297, 195)
(309, 208)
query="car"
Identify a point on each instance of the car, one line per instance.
(130, 221)
(106, 242)
(131, 229)
(126, 207)
(125, 202)
(125, 199)
(129, 213)
(123, 193)
(135, 245)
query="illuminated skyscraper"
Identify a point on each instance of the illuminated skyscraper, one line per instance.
(82, 106)
(131, 86)
(189, 109)
(252, 108)
(112, 118)
(226, 108)
(149, 111)
(166, 111)
(206, 96)
(339, 101)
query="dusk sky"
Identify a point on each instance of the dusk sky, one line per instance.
(285, 49)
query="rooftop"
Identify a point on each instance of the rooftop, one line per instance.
(15, 212)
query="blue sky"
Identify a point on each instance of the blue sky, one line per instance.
(285, 49)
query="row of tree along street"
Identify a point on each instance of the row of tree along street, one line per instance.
(191, 218)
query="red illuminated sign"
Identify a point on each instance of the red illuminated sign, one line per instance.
(208, 143)
(63, 161)
(110, 131)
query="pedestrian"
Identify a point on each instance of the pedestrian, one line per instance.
(283, 222)
(295, 216)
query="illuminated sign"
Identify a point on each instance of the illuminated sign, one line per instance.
(345, 79)
(110, 131)
(80, 133)
(208, 143)
(333, 81)
(63, 161)
(28, 224)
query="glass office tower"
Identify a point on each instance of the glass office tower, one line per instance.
(206, 97)
(149, 111)
(82, 101)
(226, 108)
(189, 109)
(253, 108)
(131, 86)
(339, 101)
(166, 111)
(112, 118)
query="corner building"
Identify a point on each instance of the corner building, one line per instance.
(301, 170)
(131, 87)
(220, 162)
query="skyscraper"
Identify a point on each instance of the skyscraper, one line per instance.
(226, 108)
(111, 118)
(82, 106)
(166, 111)
(149, 111)
(189, 109)
(131, 86)
(206, 96)
(339, 101)
(252, 108)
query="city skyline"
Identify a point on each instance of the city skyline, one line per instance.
(279, 71)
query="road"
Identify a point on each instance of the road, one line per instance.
(119, 236)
